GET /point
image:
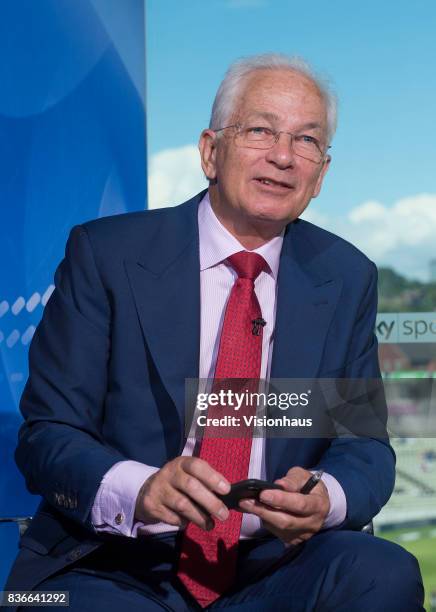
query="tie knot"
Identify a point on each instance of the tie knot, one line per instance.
(247, 264)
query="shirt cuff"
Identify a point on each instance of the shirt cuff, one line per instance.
(338, 502)
(114, 505)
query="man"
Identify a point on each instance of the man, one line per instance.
(131, 515)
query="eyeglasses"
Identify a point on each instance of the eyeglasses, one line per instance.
(261, 137)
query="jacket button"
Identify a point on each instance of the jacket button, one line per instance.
(74, 554)
(71, 503)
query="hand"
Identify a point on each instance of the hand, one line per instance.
(181, 491)
(289, 515)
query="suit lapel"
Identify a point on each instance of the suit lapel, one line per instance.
(165, 282)
(306, 301)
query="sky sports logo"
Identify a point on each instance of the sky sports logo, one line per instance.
(406, 327)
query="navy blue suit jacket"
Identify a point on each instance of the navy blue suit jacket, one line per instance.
(120, 335)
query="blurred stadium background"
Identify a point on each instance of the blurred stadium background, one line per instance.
(409, 518)
(408, 369)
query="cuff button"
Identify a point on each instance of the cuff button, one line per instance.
(119, 518)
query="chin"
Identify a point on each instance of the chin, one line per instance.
(271, 214)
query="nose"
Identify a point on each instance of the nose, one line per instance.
(281, 153)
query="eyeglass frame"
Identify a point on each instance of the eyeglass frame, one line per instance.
(239, 126)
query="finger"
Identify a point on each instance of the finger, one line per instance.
(212, 479)
(280, 520)
(205, 499)
(295, 478)
(151, 511)
(291, 532)
(289, 538)
(189, 511)
(291, 503)
(165, 515)
(290, 529)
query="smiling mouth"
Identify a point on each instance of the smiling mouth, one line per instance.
(271, 183)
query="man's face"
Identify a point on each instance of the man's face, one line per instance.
(256, 187)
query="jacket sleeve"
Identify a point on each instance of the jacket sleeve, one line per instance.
(61, 450)
(363, 465)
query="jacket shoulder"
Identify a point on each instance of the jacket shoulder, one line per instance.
(327, 241)
(127, 234)
(332, 251)
(127, 226)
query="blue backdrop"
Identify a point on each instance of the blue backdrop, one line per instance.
(72, 148)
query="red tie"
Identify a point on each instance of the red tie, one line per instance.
(207, 563)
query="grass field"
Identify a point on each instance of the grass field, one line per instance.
(421, 542)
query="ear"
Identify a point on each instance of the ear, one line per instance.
(325, 166)
(207, 148)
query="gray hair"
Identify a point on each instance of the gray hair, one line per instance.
(235, 77)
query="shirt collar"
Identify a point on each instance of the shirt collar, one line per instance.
(217, 243)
